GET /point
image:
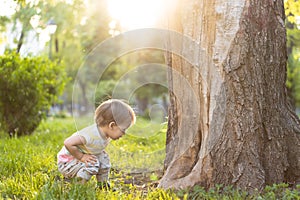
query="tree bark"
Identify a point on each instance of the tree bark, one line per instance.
(242, 131)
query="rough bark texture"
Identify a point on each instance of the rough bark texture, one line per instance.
(245, 133)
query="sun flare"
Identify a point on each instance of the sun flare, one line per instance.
(133, 14)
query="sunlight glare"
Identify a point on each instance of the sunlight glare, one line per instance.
(7, 8)
(132, 14)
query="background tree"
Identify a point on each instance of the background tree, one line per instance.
(241, 130)
(133, 76)
(86, 34)
(24, 12)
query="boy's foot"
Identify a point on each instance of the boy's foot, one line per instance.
(67, 180)
(104, 186)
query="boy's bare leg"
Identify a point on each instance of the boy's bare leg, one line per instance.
(102, 176)
(102, 179)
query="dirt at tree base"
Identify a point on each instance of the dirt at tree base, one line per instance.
(141, 179)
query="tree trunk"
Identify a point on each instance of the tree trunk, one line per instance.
(20, 41)
(83, 107)
(56, 45)
(241, 131)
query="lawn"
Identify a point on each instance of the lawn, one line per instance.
(28, 164)
(28, 168)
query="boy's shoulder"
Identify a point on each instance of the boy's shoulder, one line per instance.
(89, 130)
(92, 134)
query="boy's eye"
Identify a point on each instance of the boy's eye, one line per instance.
(123, 130)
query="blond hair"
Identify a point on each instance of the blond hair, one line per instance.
(114, 110)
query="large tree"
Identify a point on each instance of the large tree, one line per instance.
(234, 125)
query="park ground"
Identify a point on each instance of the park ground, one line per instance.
(28, 169)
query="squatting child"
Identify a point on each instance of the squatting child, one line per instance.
(83, 153)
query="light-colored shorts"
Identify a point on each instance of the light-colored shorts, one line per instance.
(75, 168)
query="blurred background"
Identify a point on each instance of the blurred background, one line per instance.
(66, 31)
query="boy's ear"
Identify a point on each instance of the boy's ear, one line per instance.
(111, 124)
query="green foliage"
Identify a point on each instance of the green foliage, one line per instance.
(274, 192)
(105, 91)
(3, 21)
(292, 11)
(280, 191)
(131, 76)
(81, 27)
(28, 87)
(217, 192)
(293, 77)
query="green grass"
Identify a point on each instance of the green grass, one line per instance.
(28, 168)
(142, 149)
(28, 164)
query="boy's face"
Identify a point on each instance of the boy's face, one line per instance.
(113, 131)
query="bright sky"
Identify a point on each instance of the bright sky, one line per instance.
(134, 14)
(131, 14)
(7, 7)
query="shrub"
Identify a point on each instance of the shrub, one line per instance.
(28, 87)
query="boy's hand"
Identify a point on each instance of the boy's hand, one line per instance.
(87, 158)
(71, 144)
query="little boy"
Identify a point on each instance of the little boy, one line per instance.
(83, 154)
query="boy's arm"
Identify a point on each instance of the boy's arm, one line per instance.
(71, 145)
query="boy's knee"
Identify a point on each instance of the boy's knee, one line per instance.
(83, 174)
(89, 170)
(93, 168)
